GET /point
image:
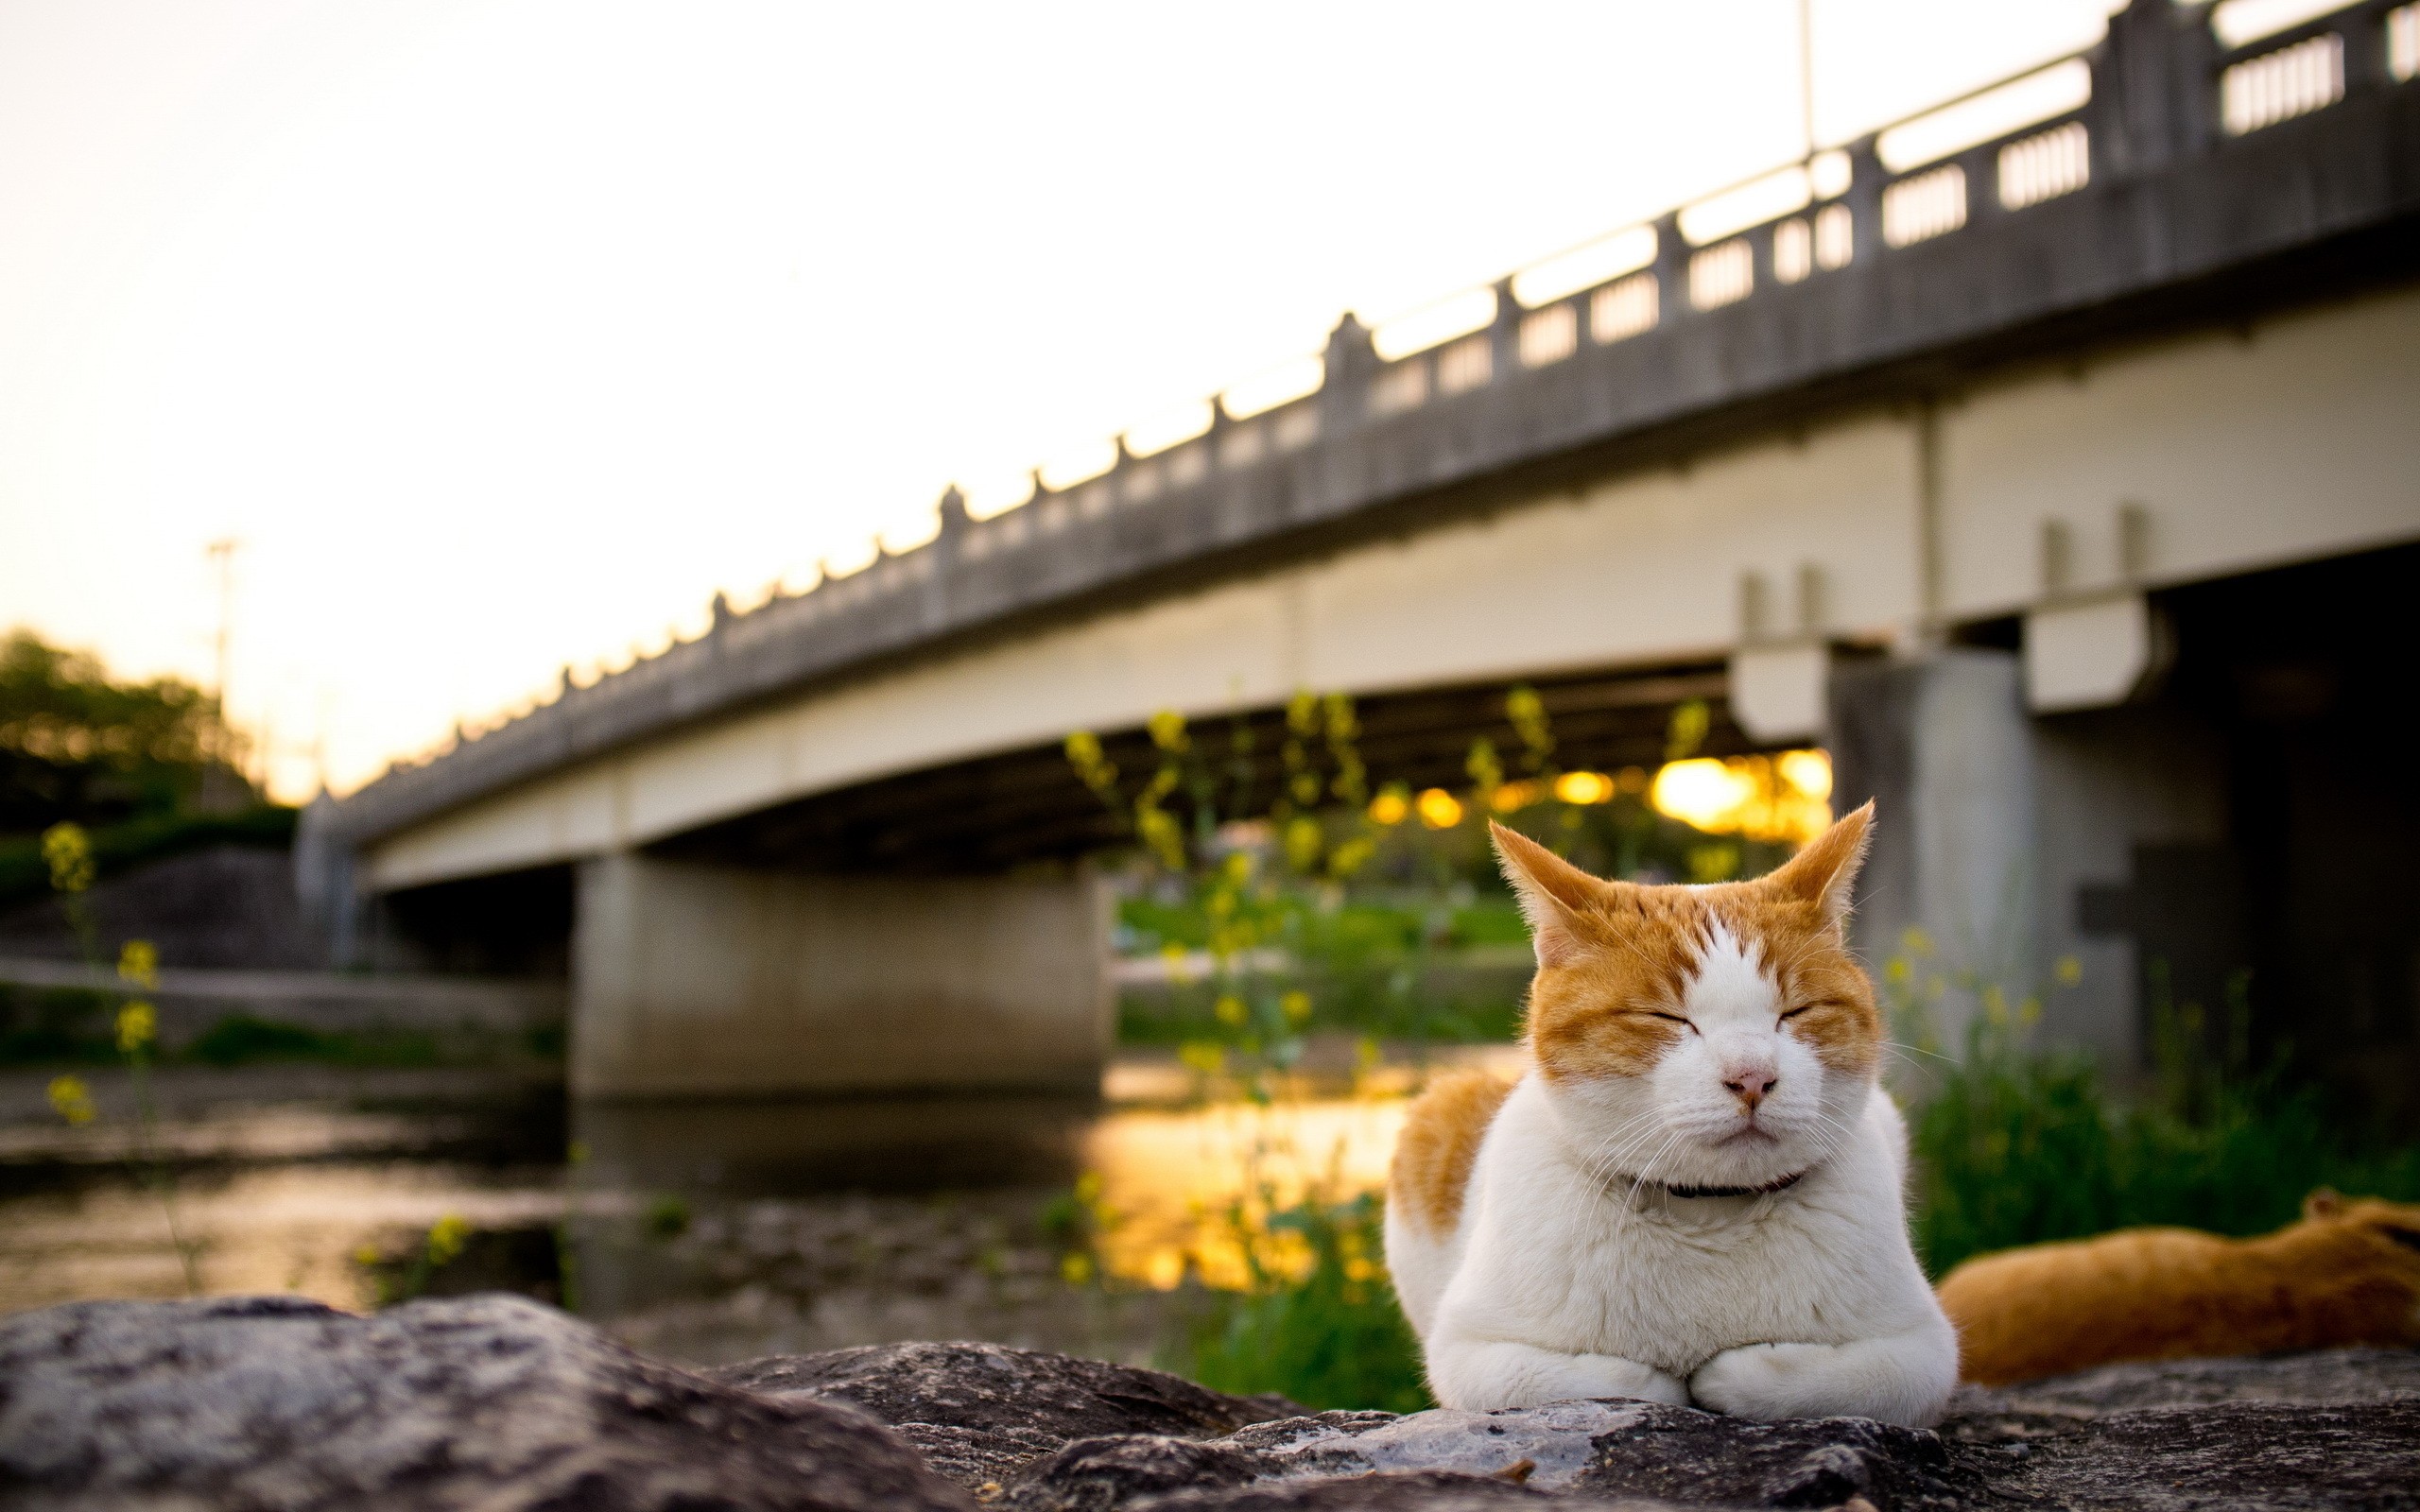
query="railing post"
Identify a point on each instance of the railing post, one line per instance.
(1867, 179)
(1672, 268)
(2363, 28)
(1504, 336)
(2193, 80)
(1350, 362)
(955, 522)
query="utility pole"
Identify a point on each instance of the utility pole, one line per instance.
(1807, 72)
(222, 553)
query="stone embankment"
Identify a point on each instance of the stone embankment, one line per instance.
(497, 1403)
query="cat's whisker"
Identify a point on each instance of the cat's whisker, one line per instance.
(1903, 1046)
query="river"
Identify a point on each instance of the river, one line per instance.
(704, 1233)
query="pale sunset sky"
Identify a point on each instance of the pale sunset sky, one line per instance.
(501, 335)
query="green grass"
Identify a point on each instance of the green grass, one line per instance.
(66, 1026)
(2018, 1147)
(1331, 1338)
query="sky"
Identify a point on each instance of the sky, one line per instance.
(500, 334)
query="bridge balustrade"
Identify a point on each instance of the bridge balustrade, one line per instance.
(2168, 82)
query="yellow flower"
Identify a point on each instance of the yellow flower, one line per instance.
(139, 963)
(1296, 1005)
(1168, 732)
(1303, 713)
(1351, 856)
(136, 1025)
(1895, 971)
(1088, 1188)
(2071, 971)
(69, 854)
(1583, 787)
(367, 1255)
(1389, 807)
(447, 1239)
(1174, 954)
(1995, 1006)
(1203, 1056)
(1713, 863)
(2029, 1012)
(1238, 867)
(1915, 941)
(72, 1099)
(1303, 842)
(1439, 809)
(1076, 1267)
(1230, 1011)
(1160, 834)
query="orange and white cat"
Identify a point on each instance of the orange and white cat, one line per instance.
(1693, 1193)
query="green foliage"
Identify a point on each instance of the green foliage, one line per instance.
(2018, 1146)
(145, 837)
(77, 747)
(55, 1025)
(244, 1038)
(1330, 1336)
(666, 1217)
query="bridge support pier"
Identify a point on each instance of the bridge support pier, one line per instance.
(699, 980)
(1943, 746)
(2065, 857)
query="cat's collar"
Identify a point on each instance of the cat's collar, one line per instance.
(1784, 1184)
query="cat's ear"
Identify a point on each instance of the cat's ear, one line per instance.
(1552, 891)
(1824, 870)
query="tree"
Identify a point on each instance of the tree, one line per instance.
(77, 747)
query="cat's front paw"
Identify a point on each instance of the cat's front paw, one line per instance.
(1757, 1380)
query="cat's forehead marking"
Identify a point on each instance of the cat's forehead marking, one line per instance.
(1731, 975)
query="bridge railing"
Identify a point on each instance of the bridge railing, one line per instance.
(2168, 82)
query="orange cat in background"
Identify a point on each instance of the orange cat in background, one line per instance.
(2347, 1273)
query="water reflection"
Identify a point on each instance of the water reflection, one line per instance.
(706, 1231)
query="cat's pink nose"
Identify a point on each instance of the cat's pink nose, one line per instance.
(1749, 1087)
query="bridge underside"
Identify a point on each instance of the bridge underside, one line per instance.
(1001, 812)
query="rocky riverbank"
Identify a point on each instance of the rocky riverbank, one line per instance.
(494, 1402)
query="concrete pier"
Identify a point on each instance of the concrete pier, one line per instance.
(696, 980)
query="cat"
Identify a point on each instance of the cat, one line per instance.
(1693, 1192)
(2347, 1273)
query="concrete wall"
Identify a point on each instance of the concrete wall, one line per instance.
(1943, 747)
(2238, 451)
(693, 980)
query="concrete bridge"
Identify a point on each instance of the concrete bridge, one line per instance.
(2052, 456)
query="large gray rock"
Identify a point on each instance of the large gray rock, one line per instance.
(2338, 1431)
(497, 1403)
(977, 1411)
(487, 1401)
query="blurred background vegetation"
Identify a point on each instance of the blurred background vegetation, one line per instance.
(1380, 915)
(149, 769)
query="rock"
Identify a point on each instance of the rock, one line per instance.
(2248, 1457)
(1096, 1474)
(1407, 1491)
(980, 1411)
(2001, 1450)
(2322, 1376)
(498, 1402)
(490, 1401)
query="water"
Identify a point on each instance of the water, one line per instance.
(706, 1233)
